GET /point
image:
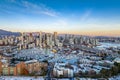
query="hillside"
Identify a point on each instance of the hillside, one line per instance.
(8, 33)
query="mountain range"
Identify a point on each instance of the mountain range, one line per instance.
(8, 33)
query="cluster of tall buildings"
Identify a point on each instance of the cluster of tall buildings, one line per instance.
(81, 40)
(42, 40)
(47, 40)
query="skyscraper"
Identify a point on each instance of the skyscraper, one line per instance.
(40, 39)
(55, 38)
(22, 34)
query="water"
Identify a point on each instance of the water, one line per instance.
(108, 45)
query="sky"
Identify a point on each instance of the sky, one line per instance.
(84, 17)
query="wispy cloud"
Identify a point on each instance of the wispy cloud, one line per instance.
(25, 6)
(39, 9)
(86, 15)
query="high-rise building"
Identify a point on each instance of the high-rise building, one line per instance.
(55, 38)
(48, 39)
(22, 34)
(51, 42)
(31, 37)
(37, 41)
(66, 37)
(55, 35)
(40, 39)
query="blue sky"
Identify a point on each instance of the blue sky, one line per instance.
(87, 17)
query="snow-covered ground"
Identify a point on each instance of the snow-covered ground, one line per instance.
(41, 78)
(24, 78)
(33, 78)
(115, 77)
(20, 78)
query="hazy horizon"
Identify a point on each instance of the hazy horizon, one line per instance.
(82, 17)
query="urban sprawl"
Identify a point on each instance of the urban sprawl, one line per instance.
(58, 56)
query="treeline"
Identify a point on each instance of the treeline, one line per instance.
(105, 73)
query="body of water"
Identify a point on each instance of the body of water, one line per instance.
(108, 45)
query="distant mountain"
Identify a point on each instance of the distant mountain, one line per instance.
(8, 33)
(104, 37)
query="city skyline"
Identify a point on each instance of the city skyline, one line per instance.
(84, 17)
